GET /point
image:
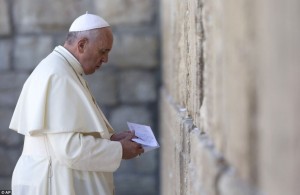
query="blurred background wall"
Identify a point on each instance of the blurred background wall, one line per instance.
(30, 29)
(230, 98)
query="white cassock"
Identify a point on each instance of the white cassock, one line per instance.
(67, 148)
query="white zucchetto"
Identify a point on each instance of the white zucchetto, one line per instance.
(88, 22)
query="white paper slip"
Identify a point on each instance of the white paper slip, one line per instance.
(144, 136)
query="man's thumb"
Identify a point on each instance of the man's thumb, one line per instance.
(129, 136)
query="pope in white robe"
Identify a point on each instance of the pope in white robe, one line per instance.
(69, 147)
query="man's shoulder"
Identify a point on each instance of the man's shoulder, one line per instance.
(52, 65)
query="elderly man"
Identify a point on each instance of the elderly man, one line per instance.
(69, 147)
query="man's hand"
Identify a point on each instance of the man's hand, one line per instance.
(130, 148)
(120, 136)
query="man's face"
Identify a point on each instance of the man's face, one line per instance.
(96, 51)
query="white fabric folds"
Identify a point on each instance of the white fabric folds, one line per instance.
(53, 100)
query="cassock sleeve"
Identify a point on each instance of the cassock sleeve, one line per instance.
(86, 153)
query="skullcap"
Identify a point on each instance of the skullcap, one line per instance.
(88, 22)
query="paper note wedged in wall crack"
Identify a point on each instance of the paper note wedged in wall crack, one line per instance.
(144, 135)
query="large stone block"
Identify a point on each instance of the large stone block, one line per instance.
(126, 167)
(5, 54)
(5, 168)
(212, 51)
(134, 51)
(47, 15)
(133, 12)
(5, 183)
(147, 163)
(131, 171)
(172, 118)
(8, 137)
(239, 105)
(230, 184)
(29, 51)
(103, 85)
(195, 59)
(59, 39)
(206, 164)
(8, 161)
(278, 95)
(144, 165)
(135, 185)
(185, 155)
(5, 27)
(135, 114)
(137, 86)
(176, 54)
(10, 91)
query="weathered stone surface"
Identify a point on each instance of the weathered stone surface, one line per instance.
(5, 183)
(7, 136)
(147, 163)
(278, 95)
(195, 59)
(47, 15)
(135, 114)
(5, 167)
(230, 184)
(212, 54)
(134, 51)
(169, 62)
(59, 39)
(10, 91)
(29, 51)
(5, 54)
(129, 12)
(171, 146)
(8, 161)
(137, 86)
(206, 166)
(103, 85)
(11, 138)
(135, 185)
(192, 165)
(139, 166)
(126, 167)
(249, 50)
(5, 27)
(239, 98)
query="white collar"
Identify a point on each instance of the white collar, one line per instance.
(70, 58)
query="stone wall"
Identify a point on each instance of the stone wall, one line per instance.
(230, 97)
(30, 29)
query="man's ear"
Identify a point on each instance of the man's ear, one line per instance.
(81, 45)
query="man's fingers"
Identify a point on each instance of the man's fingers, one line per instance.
(130, 136)
(140, 149)
(140, 146)
(130, 148)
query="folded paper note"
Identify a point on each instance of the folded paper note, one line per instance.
(144, 135)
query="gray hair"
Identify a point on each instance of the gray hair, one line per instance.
(73, 36)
